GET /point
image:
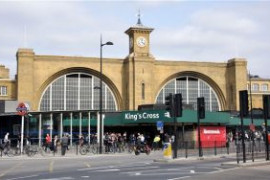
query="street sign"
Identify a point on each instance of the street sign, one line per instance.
(22, 109)
(160, 125)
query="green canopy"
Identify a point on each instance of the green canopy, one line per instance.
(153, 116)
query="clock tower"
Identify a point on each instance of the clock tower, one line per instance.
(139, 39)
(138, 68)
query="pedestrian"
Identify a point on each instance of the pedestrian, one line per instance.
(156, 142)
(55, 144)
(64, 144)
(48, 142)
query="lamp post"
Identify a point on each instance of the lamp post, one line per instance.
(100, 96)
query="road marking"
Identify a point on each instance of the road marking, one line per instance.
(184, 177)
(51, 166)
(87, 165)
(85, 177)
(108, 170)
(94, 168)
(24, 177)
(10, 169)
(137, 174)
(223, 170)
(154, 173)
(60, 178)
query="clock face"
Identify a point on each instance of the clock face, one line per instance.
(141, 41)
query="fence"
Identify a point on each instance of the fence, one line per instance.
(212, 148)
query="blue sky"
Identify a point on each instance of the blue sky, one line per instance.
(212, 31)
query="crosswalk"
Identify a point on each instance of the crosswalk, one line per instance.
(141, 171)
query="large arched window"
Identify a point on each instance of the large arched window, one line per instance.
(191, 88)
(76, 91)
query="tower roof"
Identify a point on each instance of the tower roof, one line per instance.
(139, 26)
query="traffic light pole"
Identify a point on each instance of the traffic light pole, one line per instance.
(243, 138)
(199, 137)
(200, 115)
(266, 139)
(266, 104)
(175, 138)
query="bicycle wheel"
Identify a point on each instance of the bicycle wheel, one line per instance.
(93, 149)
(83, 150)
(17, 151)
(41, 151)
(10, 152)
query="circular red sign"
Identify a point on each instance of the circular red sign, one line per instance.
(22, 109)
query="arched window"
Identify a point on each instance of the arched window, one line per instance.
(76, 91)
(191, 88)
(255, 87)
(264, 87)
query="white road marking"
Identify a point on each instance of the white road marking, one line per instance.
(60, 178)
(84, 176)
(184, 177)
(24, 177)
(108, 170)
(95, 168)
(192, 171)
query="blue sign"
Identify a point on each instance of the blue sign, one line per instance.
(160, 124)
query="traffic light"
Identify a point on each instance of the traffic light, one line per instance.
(169, 104)
(201, 107)
(178, 105)
(266, 106)
(243, 103)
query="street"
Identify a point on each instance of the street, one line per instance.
(124, 166)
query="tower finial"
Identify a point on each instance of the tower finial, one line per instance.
(139, 18)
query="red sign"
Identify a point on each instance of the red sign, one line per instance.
(252, 127)
(212, 136)
(22, 109)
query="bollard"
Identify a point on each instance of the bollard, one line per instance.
(167, 151)
(77, 148)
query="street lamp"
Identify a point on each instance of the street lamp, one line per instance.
(100, 95)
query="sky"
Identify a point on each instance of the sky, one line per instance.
(203, 31)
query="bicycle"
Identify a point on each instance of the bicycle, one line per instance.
(31, 150)
(84, 149)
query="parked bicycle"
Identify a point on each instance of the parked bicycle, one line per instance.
(87, 148)
(31, 150)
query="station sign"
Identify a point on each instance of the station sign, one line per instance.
(22, 109)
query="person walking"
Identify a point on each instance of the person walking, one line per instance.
(156, 142)
(55, 144)
(64, 144)
(48, 142)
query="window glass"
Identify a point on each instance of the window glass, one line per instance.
(264, 87)
(191, 88)
(77, 91)
(255, 87)
(3, 90)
